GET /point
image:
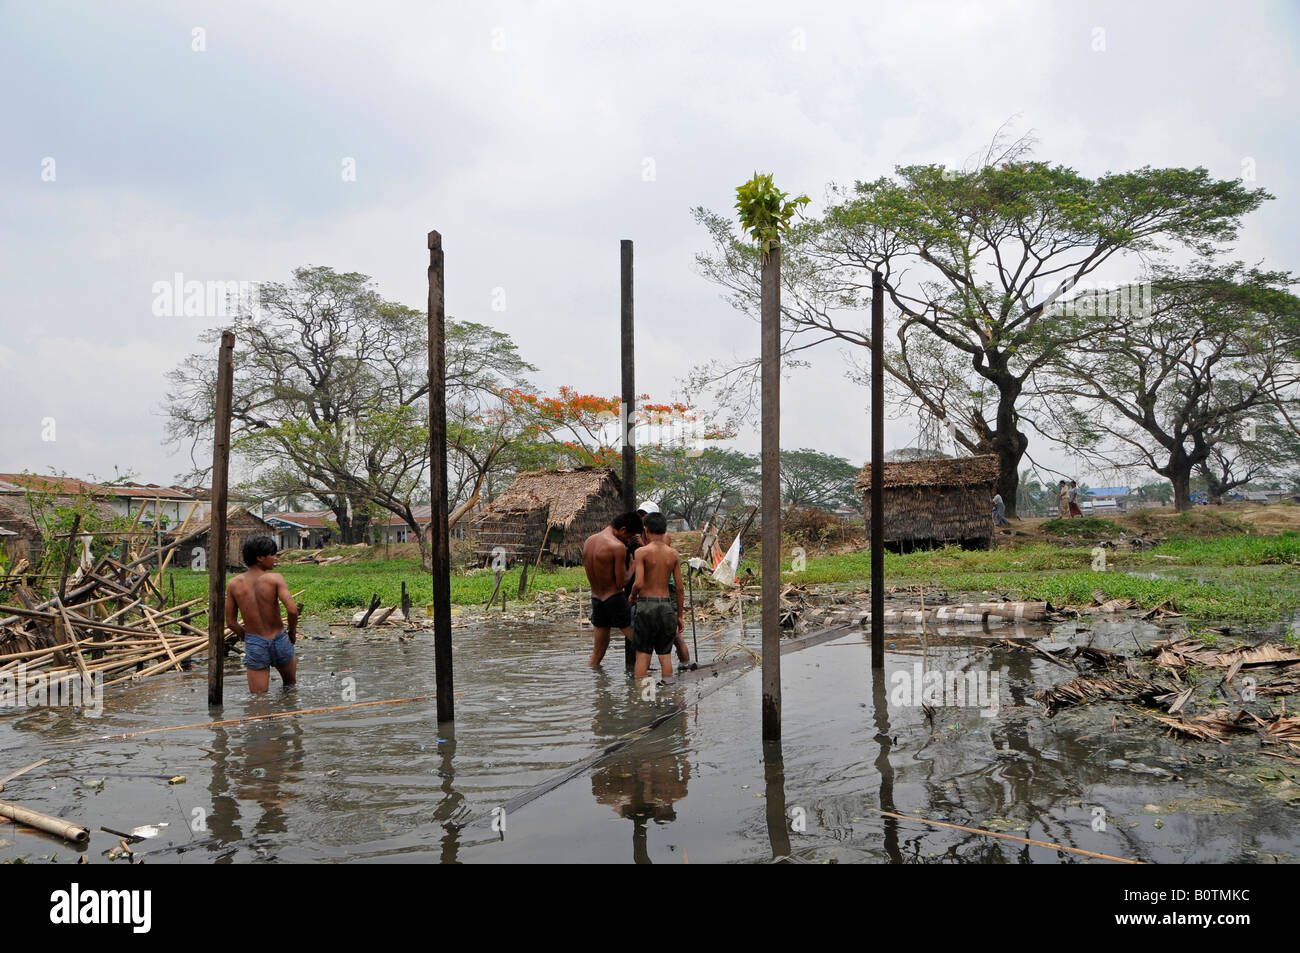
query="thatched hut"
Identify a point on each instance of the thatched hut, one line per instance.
(933, 502)
(548, 510)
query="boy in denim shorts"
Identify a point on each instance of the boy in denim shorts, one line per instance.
(256, 595)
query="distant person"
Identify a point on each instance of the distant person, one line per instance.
(604, 557)
(256, 595)
(1063, 502)
(659, 617)
(1074, 500)
(1000, 511)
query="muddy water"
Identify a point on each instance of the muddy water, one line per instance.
(383, 784)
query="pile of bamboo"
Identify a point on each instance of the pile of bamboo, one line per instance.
(115, 625)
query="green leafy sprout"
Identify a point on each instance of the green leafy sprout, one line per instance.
(765, 211)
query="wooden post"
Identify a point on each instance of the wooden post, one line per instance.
(877, 471)
(440, 550)
(217, 520)
(629, 379)
(771, 495)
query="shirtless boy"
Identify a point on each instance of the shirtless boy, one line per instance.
(604, 557)
(256, 595)
(659, 618)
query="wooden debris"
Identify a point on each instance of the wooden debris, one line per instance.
(104, 628)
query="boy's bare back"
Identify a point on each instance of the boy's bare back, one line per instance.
(656, 563)
(258, 595)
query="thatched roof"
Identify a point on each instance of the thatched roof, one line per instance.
(959, 471)
(570, 491)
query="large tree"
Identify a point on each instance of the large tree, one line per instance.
(693, 487)
(811, 478)
(331, 389)
(1188, 386)
(971, 262)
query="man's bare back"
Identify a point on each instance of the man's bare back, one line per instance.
(603, 557)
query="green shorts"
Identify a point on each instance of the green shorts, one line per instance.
(654, 629)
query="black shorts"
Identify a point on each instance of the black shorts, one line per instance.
(612, 613)
(656, 625)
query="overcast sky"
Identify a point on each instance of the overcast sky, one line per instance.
(535, 137)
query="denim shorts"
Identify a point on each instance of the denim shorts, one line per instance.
(260, 653)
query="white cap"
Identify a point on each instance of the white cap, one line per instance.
(647, 508)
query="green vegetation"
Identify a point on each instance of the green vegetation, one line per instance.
(1090, 527)
(1252, 581)
(1283, 549)
(1241, 578)
(350, 585)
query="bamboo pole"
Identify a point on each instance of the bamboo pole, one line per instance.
(67, 557)
(43, 822)
(248, 718)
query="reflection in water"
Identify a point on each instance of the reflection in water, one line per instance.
(271, 765)
(880, 704)
(778, 834)
(452, 800)
(641, 781)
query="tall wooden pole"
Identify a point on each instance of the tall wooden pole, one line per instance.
(217, 521)
(771, 494)
(629, 377)
(877, 471)
(439, 548)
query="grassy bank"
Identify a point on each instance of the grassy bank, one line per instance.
(350, 585)
(1244, 578)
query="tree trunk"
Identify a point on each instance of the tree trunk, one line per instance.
(1182, 480)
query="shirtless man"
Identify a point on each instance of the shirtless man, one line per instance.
(658, 623)
(604, 556)
(256, 595)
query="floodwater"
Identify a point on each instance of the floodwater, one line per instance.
(521, 777)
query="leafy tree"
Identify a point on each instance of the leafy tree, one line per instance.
(331, 393)
(971, 261)
(811, 478)
(1166, 390)
(692, 487)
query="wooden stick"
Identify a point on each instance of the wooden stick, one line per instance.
(240, 721)
(43, 822)
(149, 616)
(72, 634)
(1022, 840)
(21, 771)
